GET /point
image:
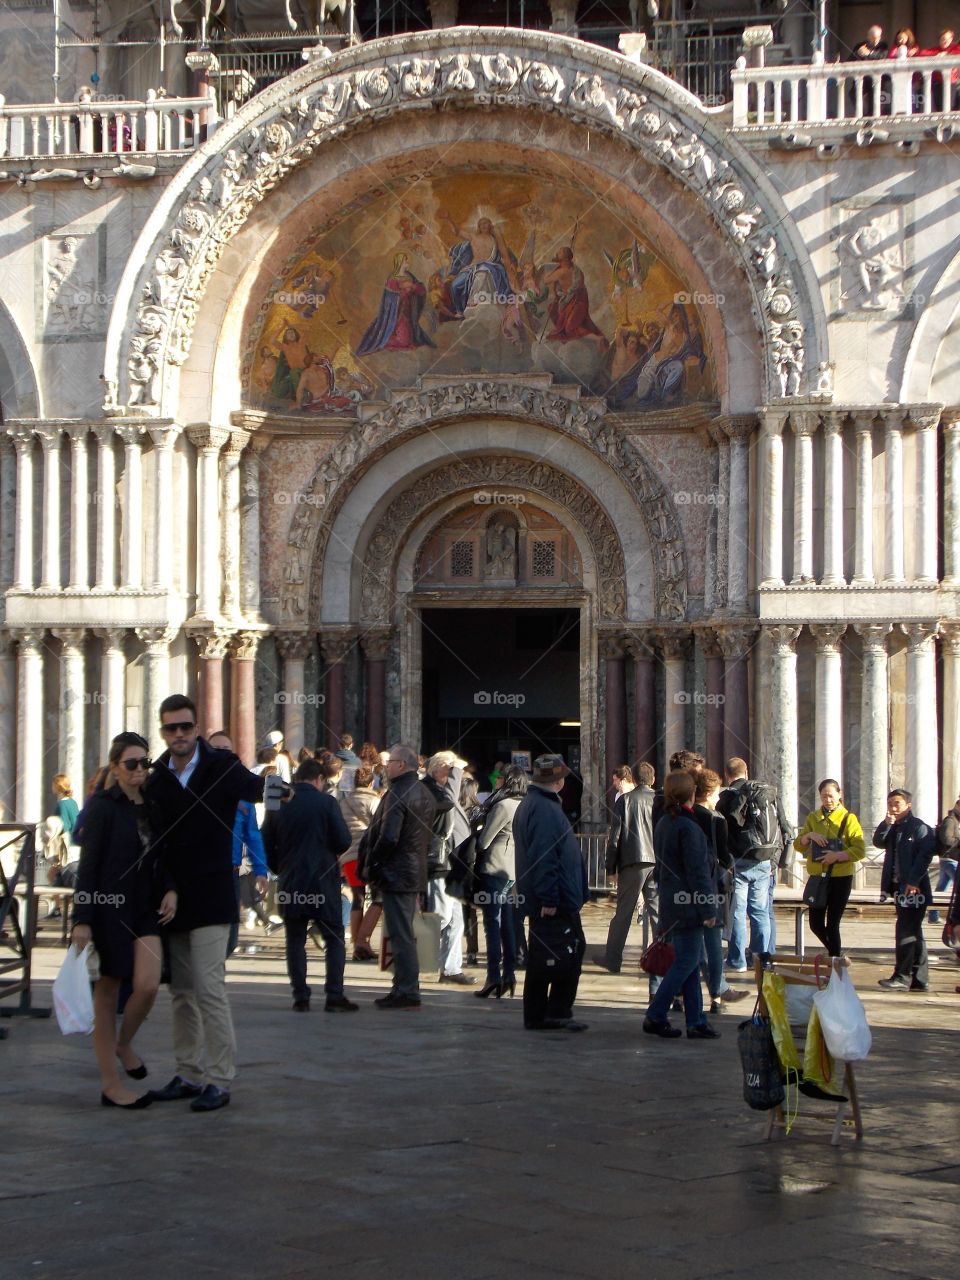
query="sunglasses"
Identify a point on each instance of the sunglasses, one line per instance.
(178, 726)
(142, 762)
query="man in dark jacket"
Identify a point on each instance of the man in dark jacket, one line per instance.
(394, 860)
(630, 859)
(192, 797)
(552, 879)
(303, 840)
(909, 846)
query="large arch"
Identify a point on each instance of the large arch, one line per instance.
(924, 356)
(19, 388)
(214, 194)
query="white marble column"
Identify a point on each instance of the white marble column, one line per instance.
(928, 499)
(105, 572)
(30, 762)
(131, 546)
(73, 698)
(863, 554)
(292, 647)
(79, 510)
(874, 725)
(208, 442)
(231, 524)
(893, 470)
(8, 728)
(50, 438)
(922, 730)
(783, 715)
(833, 498)
(828, 717)
(250, 525)
(804, 424)
(673, 649)
(8, 513)
(23, 439)
(739, 549)
(164, 441)
(950, 653)
(156, 681)
(950, 426)
(113, 685)
(772, 570)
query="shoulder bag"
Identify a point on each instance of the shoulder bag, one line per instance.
(817, 889)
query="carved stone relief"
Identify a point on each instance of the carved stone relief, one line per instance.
(873, 250)
(71, 298)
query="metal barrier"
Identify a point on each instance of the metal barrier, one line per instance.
(593, 846)
(19, 934)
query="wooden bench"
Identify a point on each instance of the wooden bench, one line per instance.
(791, 899)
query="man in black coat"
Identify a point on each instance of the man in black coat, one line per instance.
(909, 846)
(393, 858)
(192, 797)
(303, 840)
(630, 858)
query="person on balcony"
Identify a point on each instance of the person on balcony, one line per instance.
(946, 47)
(906, 40)
(871, 50)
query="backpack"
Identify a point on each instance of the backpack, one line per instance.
(758, 834)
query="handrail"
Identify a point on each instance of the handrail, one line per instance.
(106, 128)
(22, 929)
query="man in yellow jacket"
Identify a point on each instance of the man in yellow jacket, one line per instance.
(831, 837)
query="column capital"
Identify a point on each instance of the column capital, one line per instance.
(949, 418)
(804, 422)
(375, 643)
(22, 437)
(207, 438)
(245, 644)
(827, 635)
(28, 639)
(336, 643)
(640, 642)
(923, 417)
(894, 416)
(77, 434)
(131, 434)
(213, 643)
(155, 639)
(293, 644)
(833, 421)
(49, 436)
(237, 442)
(164, 435)
(874, 635)
(112, 637)
(740, 426)
(949, 636)
(920, 635)
(673, 644)
(611, 645)
(773, 421)
(863, 420)
(783, 637)
(735, 640)
(70, 637)
(709, 641)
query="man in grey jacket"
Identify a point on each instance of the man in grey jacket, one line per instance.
(630, 859)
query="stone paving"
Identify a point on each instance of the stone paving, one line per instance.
(450, 1143)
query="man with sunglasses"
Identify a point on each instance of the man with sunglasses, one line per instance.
(193, 795)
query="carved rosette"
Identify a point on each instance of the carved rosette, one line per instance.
(285, 125)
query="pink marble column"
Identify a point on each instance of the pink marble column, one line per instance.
(243, 729)
(735, 642)
(336, 644)
(213, 646)
(376, 645)
(615, 718)
(644, 698)
(713, 655)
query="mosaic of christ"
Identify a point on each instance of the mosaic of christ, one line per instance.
(476, 273)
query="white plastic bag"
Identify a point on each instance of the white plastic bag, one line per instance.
(843, 1019)
(72, 997)
(799, 1003)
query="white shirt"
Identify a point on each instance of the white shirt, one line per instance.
(183, 776)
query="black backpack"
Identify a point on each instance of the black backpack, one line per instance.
(756, 817)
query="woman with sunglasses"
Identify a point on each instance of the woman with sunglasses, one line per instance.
(123, 896)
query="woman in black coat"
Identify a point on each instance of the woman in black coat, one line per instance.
(122, 898)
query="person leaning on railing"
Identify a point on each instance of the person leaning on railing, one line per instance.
(831, 837)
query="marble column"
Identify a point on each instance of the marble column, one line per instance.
(250, 525)
(8, 728)
(863, 555)
(922, 727)
(773, 423)
(713, 662)
(31, 769)
(611, 651)
(376, 647)
(293, 647)
(105, 569)
(79, 510)
(131, 529)
(783, 715)
(893, 470)
(208, 442)
(739, 549)
(231, 523)
(336, 644)
(950, 653)
(674, 646)
(645, 720)
(243, 695)
(928, 499)
(735, 643)
(164, 442)
(874, 724)
(828, 702)
(213, 647)
(804, 424)
(51, 439)
(156, 682)
(8, 513)
(73, 697)
(833, 575)
(23, 579)
(950, 425)
(714, 593)
(113, 685)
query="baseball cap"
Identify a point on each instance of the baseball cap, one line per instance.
(273, 739)
(549, 769)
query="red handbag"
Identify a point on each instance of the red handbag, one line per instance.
(658, 958)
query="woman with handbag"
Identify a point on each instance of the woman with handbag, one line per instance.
(124, 894)
(358, 807)
(496, 871)
(832, 841)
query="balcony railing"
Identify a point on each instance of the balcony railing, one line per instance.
(770, 97)
(95, 128)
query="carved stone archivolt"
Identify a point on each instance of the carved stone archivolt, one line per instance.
(409, 413)
(281, 128)
(378, 584)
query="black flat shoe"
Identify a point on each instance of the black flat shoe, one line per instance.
(143, 1101)
(137, 1073)
(662, 1029)
(340, 1004)
(702, 1031)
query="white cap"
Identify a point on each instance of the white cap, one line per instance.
(273, 739)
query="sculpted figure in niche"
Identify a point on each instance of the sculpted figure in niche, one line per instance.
(876, 268)
(501, 551)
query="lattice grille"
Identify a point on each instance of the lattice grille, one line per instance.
(544, 560)
(461, 559)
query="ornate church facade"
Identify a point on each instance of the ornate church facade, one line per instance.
(484, 387)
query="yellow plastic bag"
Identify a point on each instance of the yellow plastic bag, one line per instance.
(773, 995)
(817, 1063)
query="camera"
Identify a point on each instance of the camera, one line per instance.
(275, 792)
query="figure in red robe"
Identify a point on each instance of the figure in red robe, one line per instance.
(569, 309)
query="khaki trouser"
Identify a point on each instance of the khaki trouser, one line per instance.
(202, 1026)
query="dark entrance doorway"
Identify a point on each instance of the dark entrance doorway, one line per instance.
(496, 681)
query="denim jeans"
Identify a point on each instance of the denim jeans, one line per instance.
(451, 925)
(684, 975)
(713, 955)
(497, 909)
(751, 897)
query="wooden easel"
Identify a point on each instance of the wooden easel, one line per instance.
(797, 971)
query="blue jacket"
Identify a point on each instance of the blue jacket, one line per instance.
(551, 871)
(688, 891)
(909, 846)
(246, 832)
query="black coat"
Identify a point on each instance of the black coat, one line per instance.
(714, 828)
(688, 892)
(551, 871)
(195, 826)
(398, 837)
(442, 839)
(120, 880)
(303, 840)
(909, 846)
